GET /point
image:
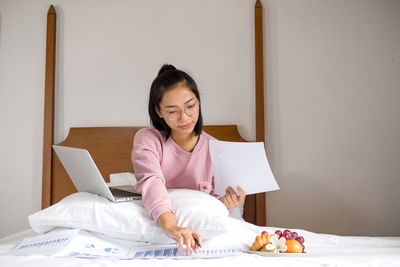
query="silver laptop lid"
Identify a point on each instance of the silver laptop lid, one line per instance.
(83, 171)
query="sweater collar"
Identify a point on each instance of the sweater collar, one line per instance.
(198, 146)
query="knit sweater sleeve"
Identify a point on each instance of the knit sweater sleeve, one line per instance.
(146, 159)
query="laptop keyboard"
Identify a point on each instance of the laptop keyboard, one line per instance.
(121, 193)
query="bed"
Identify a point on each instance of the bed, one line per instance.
(110, 148)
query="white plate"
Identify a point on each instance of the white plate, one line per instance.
(272, 254)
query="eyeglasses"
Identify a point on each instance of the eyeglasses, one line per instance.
(174, 114)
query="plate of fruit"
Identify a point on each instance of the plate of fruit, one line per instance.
(286, 243)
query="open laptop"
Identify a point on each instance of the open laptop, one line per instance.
(86, 176)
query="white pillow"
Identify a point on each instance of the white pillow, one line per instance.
(129, 220)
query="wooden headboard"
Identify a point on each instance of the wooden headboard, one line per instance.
(111, 147)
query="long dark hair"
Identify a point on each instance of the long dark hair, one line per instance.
(168, 78)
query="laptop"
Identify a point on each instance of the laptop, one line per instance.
(87, 178)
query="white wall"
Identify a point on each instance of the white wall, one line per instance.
(332, 94)
(334, 115)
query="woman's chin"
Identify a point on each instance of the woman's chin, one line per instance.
(185, 130)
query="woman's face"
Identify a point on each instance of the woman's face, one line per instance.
(173, 105)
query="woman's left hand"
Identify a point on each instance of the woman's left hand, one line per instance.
(231, 199)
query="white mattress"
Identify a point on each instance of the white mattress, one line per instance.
(322, 250)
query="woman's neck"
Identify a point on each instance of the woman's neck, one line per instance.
(186, 142)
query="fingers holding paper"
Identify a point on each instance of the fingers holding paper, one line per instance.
(231, 199)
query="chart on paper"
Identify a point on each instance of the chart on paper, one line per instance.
(176, 253)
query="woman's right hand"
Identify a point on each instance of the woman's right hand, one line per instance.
(184, 236)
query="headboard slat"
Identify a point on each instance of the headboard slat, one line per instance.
(48, 126)
(260, 203)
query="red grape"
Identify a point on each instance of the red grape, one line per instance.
(287, 236)
(304, 248)
(300, 239)
(294, 235)
(279, 233)
(287, 231)
(264, 233)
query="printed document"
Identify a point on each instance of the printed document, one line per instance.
(241, 163)
(76, 243)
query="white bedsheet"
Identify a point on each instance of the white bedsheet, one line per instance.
(322, 250)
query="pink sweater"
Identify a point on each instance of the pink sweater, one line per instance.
(160, 165)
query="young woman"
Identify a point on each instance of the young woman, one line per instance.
(174, 153)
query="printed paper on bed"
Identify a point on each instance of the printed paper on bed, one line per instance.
(48, 244)
(241, 163)
(77, 243)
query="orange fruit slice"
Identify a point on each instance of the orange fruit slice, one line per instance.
(294, 246)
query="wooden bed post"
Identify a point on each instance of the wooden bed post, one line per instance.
(48, 127)
(260, 200)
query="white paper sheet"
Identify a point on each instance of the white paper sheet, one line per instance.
(174, 252)
(241, 163)
(65, 242)
(47, 244)
(76, 243)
